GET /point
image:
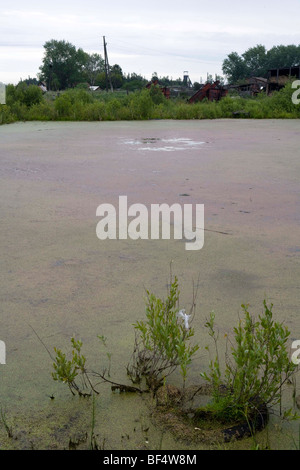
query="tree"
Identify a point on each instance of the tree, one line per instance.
(116, 75)
(63, 64)
(283, 56)
(255, 60)
(234, 68)
(93, 67)
(101, 80)
(134, 81)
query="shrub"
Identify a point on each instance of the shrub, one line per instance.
(80, 95)
(27, 102)
(19, 110)
(6, 115)
(43, 111)
(95, 111)
(10, 95)
(24, 94)
(255, 372)
(162, 341)
(156, 94)
(141, 105)
(63, 105)
(113, 107)
(229, 105)
(68, 371)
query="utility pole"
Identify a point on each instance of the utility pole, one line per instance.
(107, 68)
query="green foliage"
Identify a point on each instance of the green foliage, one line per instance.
(43, 111)
(256, 369)
(256, 61)
(156, 94)
(24, 94)
(26, 102)
(29, 95)
(69, 370)
(71, 104)
(141, 105)
(63, 65)
(6, 116)
(162, 341)
(234, 67)
(133, 82)
(113, 107)
(63, 105)
(93, 66)
(116, 75)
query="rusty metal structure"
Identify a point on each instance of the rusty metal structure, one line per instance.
(186, 80)
(251, 86)
(278, 78)
(211, 91)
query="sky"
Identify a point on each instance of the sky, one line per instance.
(163, 37)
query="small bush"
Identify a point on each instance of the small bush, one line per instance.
(113, 107)
(63, 105)
(19, 110)
(43, 111)
(95, 111)
(255, 371)
(162, 343)
(6, 116)
(68, 371)
(23, 94)
(156, 94)
(141, 105)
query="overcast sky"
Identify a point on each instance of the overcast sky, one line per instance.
(166, 37)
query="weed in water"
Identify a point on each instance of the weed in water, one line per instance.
(162, 341)
(255, 371)
(8, 428)
(69, 371)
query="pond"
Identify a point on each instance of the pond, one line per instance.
(59, 280)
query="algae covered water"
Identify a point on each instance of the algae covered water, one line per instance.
(59, 280)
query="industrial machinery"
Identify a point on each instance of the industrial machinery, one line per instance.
(211, 91)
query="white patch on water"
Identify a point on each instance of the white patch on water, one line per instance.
(155, 144)
(184, 141)
(161, 149)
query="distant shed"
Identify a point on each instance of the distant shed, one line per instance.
(43, 87)
(251, 86)
(278, 78)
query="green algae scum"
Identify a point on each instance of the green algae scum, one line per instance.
(59, 280)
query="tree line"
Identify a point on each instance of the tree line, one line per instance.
(64, 66)
(256, 61)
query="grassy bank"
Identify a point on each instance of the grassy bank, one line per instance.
(29, 104)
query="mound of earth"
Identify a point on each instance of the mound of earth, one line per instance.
(177, 410)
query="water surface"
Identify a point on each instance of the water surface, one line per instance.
(58, 278)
